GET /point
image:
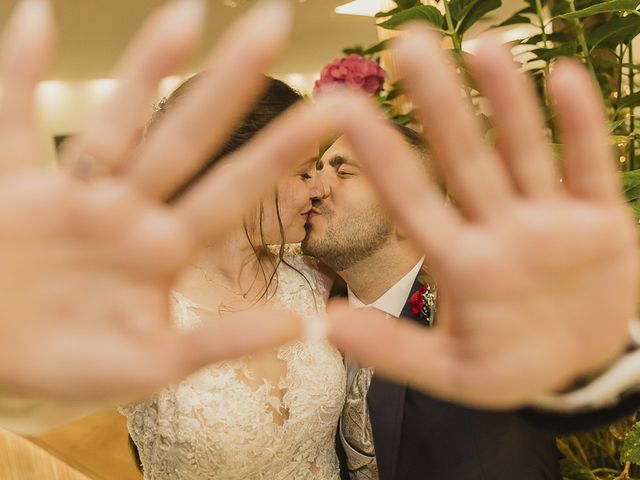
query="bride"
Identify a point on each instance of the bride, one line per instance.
(271, 415)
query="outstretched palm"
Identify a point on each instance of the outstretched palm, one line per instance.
(88, 264)
(538, 278)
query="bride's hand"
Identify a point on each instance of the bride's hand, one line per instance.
(538, 279)
(89, 258)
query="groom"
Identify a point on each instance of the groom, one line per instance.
(389, 431)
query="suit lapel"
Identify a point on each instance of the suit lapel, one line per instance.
(386, 402)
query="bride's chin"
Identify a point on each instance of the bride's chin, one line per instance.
(295, 235)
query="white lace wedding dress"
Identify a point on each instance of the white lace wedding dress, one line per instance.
(214, 425)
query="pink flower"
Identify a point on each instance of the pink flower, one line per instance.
(354, 72)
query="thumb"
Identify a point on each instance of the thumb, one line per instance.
(237, 334)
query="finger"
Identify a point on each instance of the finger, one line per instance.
(436, 363)
(27, 49)
(162, 45)
(590, 166)
(400, 174)
(233, 336)
(517, 118)
(395, 348)
(178, 147)
(231, 188)
(473, 176)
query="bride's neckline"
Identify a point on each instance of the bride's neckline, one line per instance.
(181, 297)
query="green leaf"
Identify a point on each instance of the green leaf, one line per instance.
(635, 208)
(629, 101)
(551, 37)
(377, 48)
(401, 5)
(518, 17)
(547, 54)
(466, 13)
(406, 4)
(402, 119)
(357, 49)
(630, 451)
(618, 139)
(422, 13)
(614, 32)
(514, 20)
(618, 6)
(571, 470)
(530, 9)
(558, 8)
(388, 13)
(631, 185)
(614, 125)
(532, 4)
(393, 94)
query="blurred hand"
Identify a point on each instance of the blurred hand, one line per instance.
(88, 261)
(538, 279)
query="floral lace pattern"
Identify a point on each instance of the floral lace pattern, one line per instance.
(217, 424)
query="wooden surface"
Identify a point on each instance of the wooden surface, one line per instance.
(94, 448)
(20, 459)
(96, 445)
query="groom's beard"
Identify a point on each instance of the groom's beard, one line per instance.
(348, 240)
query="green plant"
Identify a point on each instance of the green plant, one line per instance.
(598, 33)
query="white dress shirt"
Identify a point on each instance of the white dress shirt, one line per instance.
(393, 300)
(606, 389)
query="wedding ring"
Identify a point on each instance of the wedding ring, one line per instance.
(86, 168)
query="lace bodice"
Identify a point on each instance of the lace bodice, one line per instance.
(218, 425)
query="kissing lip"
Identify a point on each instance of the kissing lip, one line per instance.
(312, 213)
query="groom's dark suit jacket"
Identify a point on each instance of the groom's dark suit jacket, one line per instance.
(418, 437)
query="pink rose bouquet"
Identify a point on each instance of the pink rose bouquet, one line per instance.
(354, 72)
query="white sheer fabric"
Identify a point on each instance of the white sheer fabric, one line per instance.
(220, 423)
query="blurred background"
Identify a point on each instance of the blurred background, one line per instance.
(93, 33)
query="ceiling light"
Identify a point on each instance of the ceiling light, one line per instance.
(365, 8)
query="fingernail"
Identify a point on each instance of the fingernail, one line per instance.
(316, 328)
(189, 12)
(275, 13)
(32, 11)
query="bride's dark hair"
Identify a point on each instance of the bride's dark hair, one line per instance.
(277, 97)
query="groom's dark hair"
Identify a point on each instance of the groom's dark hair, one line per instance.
(420, 148)
(412, 137)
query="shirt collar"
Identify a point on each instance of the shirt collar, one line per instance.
(393, 300)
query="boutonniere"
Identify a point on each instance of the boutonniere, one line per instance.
(423, 303)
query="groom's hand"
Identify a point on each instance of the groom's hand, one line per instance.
(538, 278)
(88, 264)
